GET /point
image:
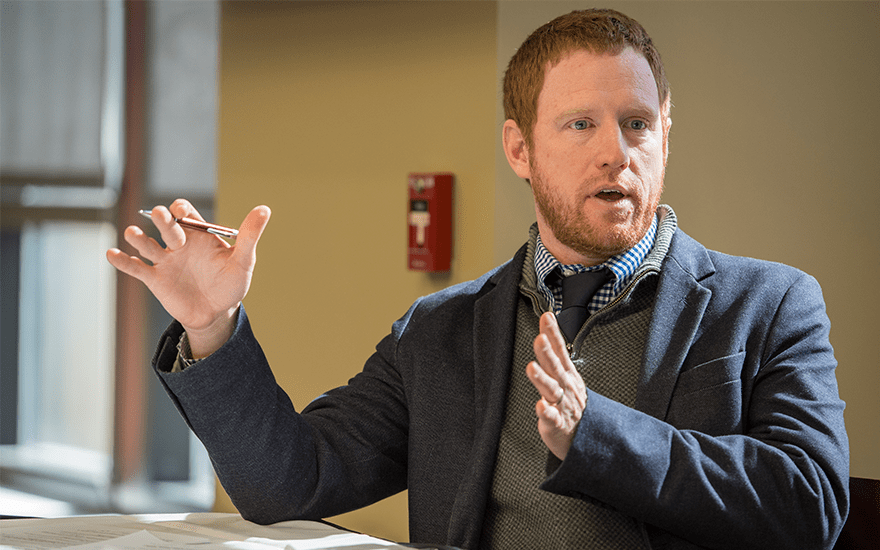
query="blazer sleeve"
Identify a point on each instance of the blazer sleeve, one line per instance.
(776, 478)
(275, 463)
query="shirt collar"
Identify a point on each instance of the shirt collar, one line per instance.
(550, 271)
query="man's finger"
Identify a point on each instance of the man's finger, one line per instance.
(130, 265)
(549, 387)
(146, 246)
(249, 233)
(549, 326)
(552, 354)
(549, 356)
(548, 416)
(170, 230)
(182, 208)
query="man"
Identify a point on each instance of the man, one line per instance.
(695, 406)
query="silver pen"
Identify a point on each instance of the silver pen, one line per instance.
(199, 225)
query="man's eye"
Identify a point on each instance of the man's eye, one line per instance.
(638, 125)
(580, 125)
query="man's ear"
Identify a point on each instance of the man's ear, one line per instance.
(666, 121)
(515, 149)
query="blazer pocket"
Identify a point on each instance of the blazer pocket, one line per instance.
(708, 397)
(711, 373)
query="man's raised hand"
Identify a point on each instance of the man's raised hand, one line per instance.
(199, 278)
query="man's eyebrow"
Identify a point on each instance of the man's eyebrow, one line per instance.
(580, 111)
(645, 111)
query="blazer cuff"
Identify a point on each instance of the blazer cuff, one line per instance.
(167, 362)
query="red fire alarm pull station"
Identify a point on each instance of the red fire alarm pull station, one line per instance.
(429, 217)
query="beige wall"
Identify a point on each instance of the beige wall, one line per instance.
(324, 109)
(773, 154)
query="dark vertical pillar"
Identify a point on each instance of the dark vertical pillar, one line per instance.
(131, 305)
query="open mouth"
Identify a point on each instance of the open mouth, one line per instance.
(609, 195)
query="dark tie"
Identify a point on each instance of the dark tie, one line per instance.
(577, 290)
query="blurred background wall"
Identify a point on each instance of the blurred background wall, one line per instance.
(324, 110)
(324, 107)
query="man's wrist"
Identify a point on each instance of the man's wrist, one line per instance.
(204, 342)
(184, 353)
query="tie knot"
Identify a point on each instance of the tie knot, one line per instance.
(577, 289)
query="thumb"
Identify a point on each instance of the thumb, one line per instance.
(250, 231)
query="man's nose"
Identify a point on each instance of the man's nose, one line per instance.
(612, 150)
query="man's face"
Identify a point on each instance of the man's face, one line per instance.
(598, 156)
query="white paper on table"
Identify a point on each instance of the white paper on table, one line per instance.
(144, 540)
(41, 534)
(286, 535)
(199, 531)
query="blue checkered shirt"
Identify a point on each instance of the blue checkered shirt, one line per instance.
(622, 266)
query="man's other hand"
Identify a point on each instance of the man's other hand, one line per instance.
(563, 394)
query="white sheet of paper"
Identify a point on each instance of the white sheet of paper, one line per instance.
(201, 531)
(41, 534)
(144, 540)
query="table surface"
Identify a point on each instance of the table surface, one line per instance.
(195, 531)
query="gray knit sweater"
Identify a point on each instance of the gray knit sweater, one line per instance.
(607, 353)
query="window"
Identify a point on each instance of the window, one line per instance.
(61, 169)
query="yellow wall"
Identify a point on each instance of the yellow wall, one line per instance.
(324, 109)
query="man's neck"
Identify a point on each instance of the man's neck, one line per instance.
(563, 253)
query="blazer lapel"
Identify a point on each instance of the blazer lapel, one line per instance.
(494, 332)
(678, 309)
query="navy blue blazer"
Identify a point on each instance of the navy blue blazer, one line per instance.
(736, 438)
